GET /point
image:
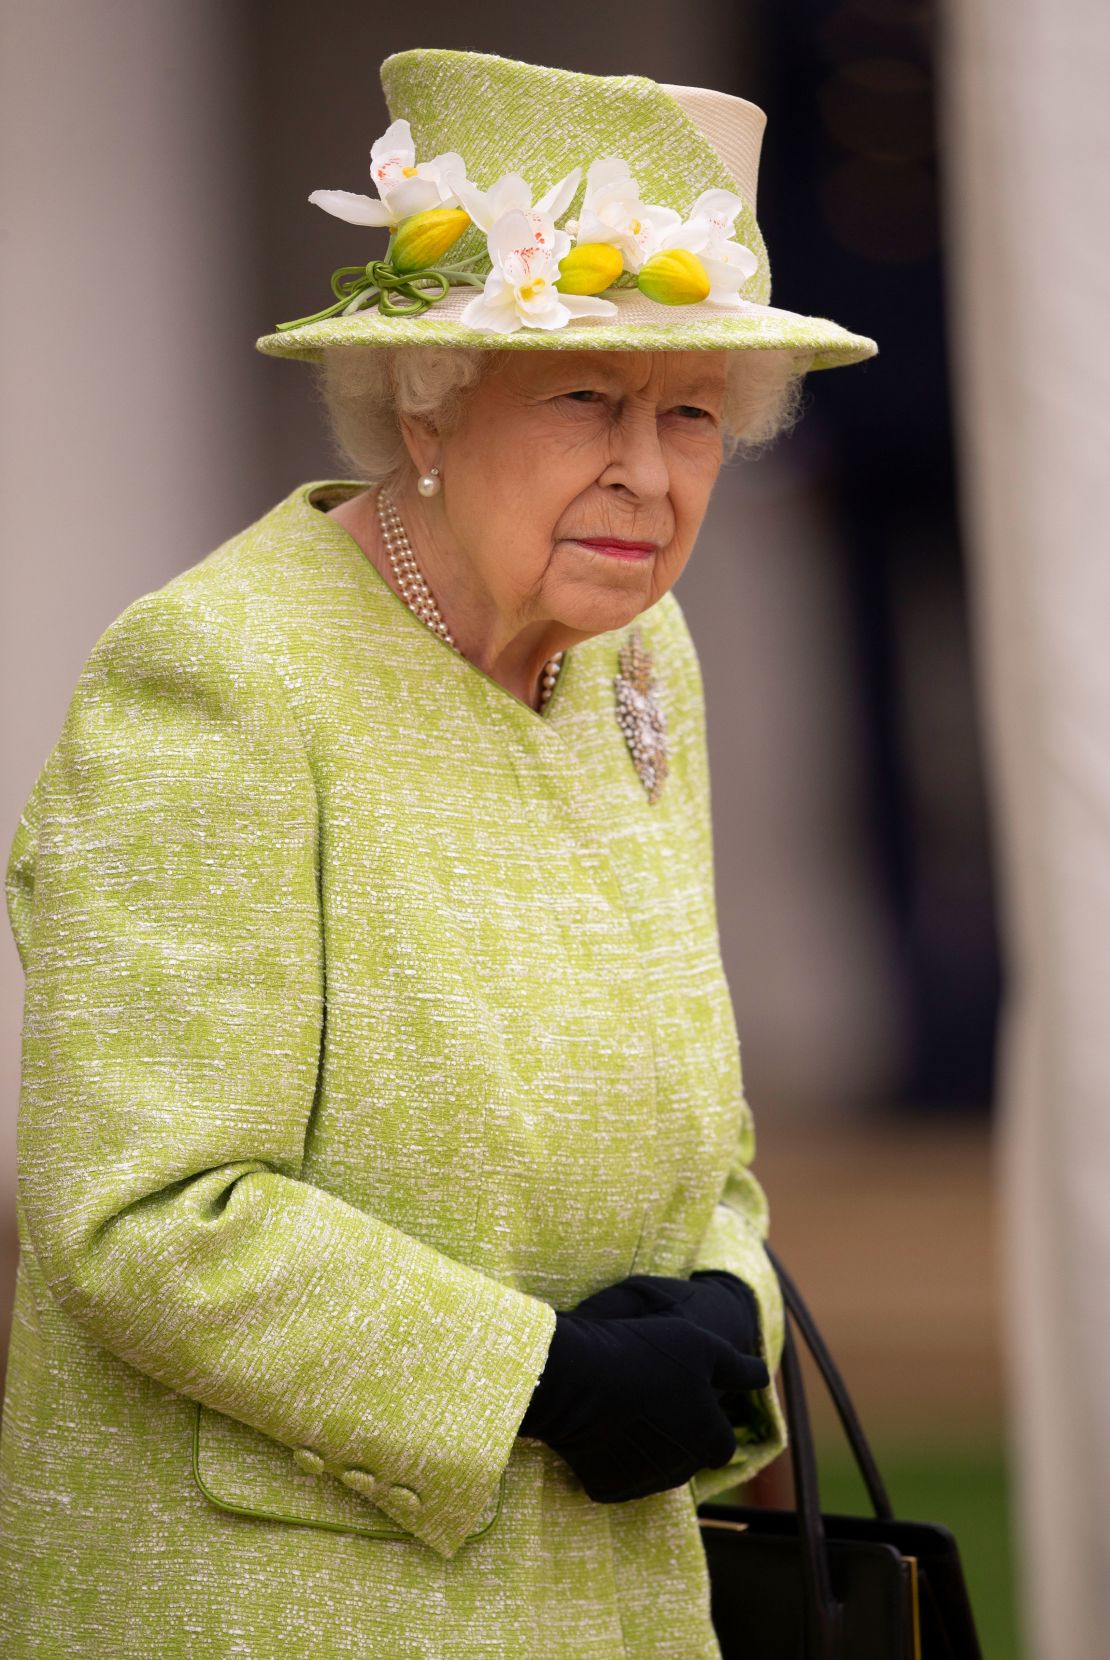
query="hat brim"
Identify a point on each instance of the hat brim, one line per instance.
(642, 325)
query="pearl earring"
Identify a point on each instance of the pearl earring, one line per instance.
(428, 483)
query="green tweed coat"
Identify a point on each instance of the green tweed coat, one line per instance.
(370, 1017)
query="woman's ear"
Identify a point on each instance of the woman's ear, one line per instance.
(421, 442)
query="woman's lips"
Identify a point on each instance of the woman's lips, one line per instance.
(618, 549)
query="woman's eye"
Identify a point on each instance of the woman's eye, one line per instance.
(586, 395)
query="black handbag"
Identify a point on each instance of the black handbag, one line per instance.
(800, 1585)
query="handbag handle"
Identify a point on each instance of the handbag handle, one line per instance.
(849, 1418)
(823, 1633)
(823, 1612)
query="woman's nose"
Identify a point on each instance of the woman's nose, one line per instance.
(636, 458)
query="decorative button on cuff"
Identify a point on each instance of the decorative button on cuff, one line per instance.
(361, 1481)
(404, 1499)
(309, 1461)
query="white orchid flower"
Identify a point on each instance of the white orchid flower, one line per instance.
(708, 232)
(405, 186)
(512, 193)
(613, 212)
(520, 290)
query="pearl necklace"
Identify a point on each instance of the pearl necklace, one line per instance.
(418, 596)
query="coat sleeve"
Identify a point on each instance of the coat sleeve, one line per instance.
(734, 1240)
(171, 933)
(739, 1225)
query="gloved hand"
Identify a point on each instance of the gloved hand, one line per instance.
(711, 1297)
(634, 1404)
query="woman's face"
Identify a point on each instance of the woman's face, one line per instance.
(557, 449)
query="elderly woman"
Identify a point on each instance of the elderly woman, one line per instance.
(392, 1275)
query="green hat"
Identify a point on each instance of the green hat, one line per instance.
(543, 208)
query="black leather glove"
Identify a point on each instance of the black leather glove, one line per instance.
(634, 1404)
(712, 1298)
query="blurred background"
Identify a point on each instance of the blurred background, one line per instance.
(866, 685)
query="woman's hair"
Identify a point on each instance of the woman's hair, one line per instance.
(364, 389)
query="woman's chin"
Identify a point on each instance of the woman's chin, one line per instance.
(601, 612)
(601, 598)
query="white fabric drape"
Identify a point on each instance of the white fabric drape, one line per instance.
(1026, 151)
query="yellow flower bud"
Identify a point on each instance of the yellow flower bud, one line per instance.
(589, 268)
(420, 239)
(674, 277)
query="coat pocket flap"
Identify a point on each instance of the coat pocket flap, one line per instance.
(239, 1469)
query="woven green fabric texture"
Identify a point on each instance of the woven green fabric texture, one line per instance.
(503, 116)
(370, 1017)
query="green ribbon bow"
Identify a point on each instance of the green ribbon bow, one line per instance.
(395, 293)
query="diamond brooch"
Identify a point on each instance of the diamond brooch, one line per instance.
(640, 714)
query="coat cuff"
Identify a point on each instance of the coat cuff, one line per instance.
(450, 1489)
(732, 1242)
